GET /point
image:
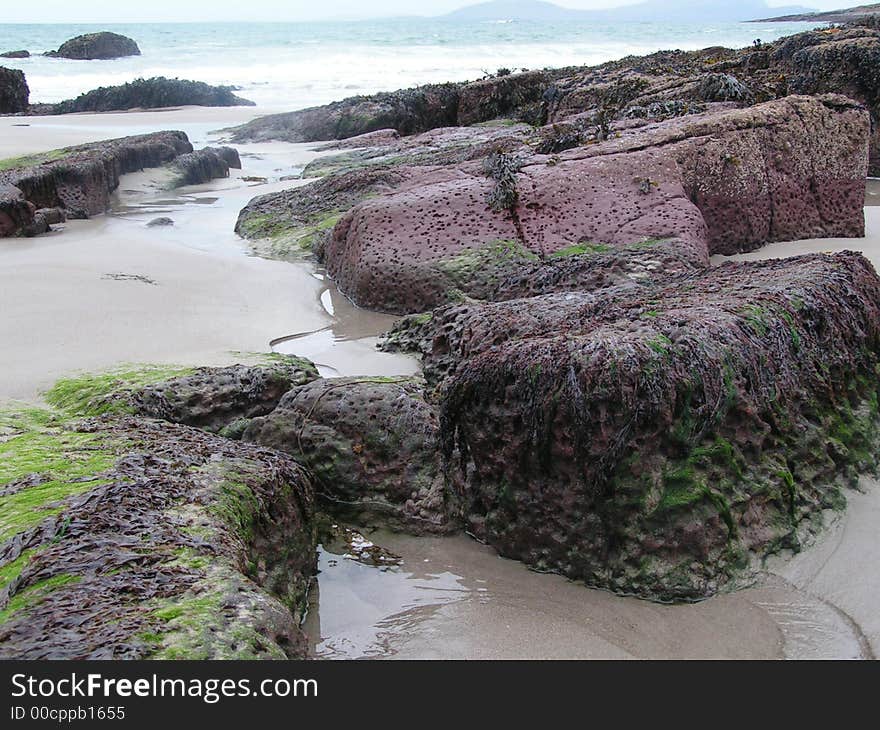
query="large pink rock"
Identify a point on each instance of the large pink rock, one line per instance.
(715, 183)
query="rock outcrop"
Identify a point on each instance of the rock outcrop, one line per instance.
(657, 199)
(154, 93)
(588, 102)
(372, 446)
(97, 46)
(79, 180)
(407, 111)
(15, 54)
(651, 439)
(14, 92)
(127, 538)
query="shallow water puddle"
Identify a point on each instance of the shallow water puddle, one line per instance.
(360, 610)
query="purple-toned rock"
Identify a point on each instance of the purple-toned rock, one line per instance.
(372, 446)
(720, 182)
(653, 439)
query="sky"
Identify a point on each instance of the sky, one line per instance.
(92, 11)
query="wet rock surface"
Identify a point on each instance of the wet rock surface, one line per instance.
(372, 446)
(79, 180)
(214, 398)
(96, 46)
(14, 92)
(165, 542)
(652, 439)
(719, 182)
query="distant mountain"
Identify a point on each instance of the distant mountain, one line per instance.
(845, 15)
(649, 11)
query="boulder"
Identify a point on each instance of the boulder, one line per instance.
(14, 92)
(97, 46)
(371, 445)
(206, 164)
(15, 54)
(152, 541)
(154, 93)
(652, 440)
(213, 398)
(161, 222)
(720, 182)
(16, 214)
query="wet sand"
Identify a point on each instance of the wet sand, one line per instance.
(111, 290)
(97, 293)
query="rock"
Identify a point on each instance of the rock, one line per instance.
(14, 92)
(94, 46)
(15, 54)
(372, 446)
(154, 93)
(720, 182)
(16, 214)
(53, 215)
(80, 179)
(162, 222)
(511, 96)
(213, 398)
(652, 440)
(167, 543)
(846, 65)
(407, 111)
(207, 164)
(38, 226)
(380, 137)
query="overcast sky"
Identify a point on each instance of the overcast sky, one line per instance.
(92, 11)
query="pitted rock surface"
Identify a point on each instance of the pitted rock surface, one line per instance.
(372, 446)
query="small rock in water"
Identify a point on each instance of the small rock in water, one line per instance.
(160, 223)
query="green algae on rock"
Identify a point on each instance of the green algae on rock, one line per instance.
(162, 541)
(654, 439)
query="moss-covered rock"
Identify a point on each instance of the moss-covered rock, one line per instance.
(372, 446)
(653, 439)
(132, 538)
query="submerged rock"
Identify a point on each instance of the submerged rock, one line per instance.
(154, 93)
(97, 46)
(154, 541)
(371, 445)
(14, 92)
(161, 222)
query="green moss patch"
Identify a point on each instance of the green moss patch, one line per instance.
(280, 237)
(15, 163)
(103, 393)
(581, 249)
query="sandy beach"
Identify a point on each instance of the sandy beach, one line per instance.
(111, 290)
(97, 293)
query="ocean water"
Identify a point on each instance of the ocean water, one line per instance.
(294, 65)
